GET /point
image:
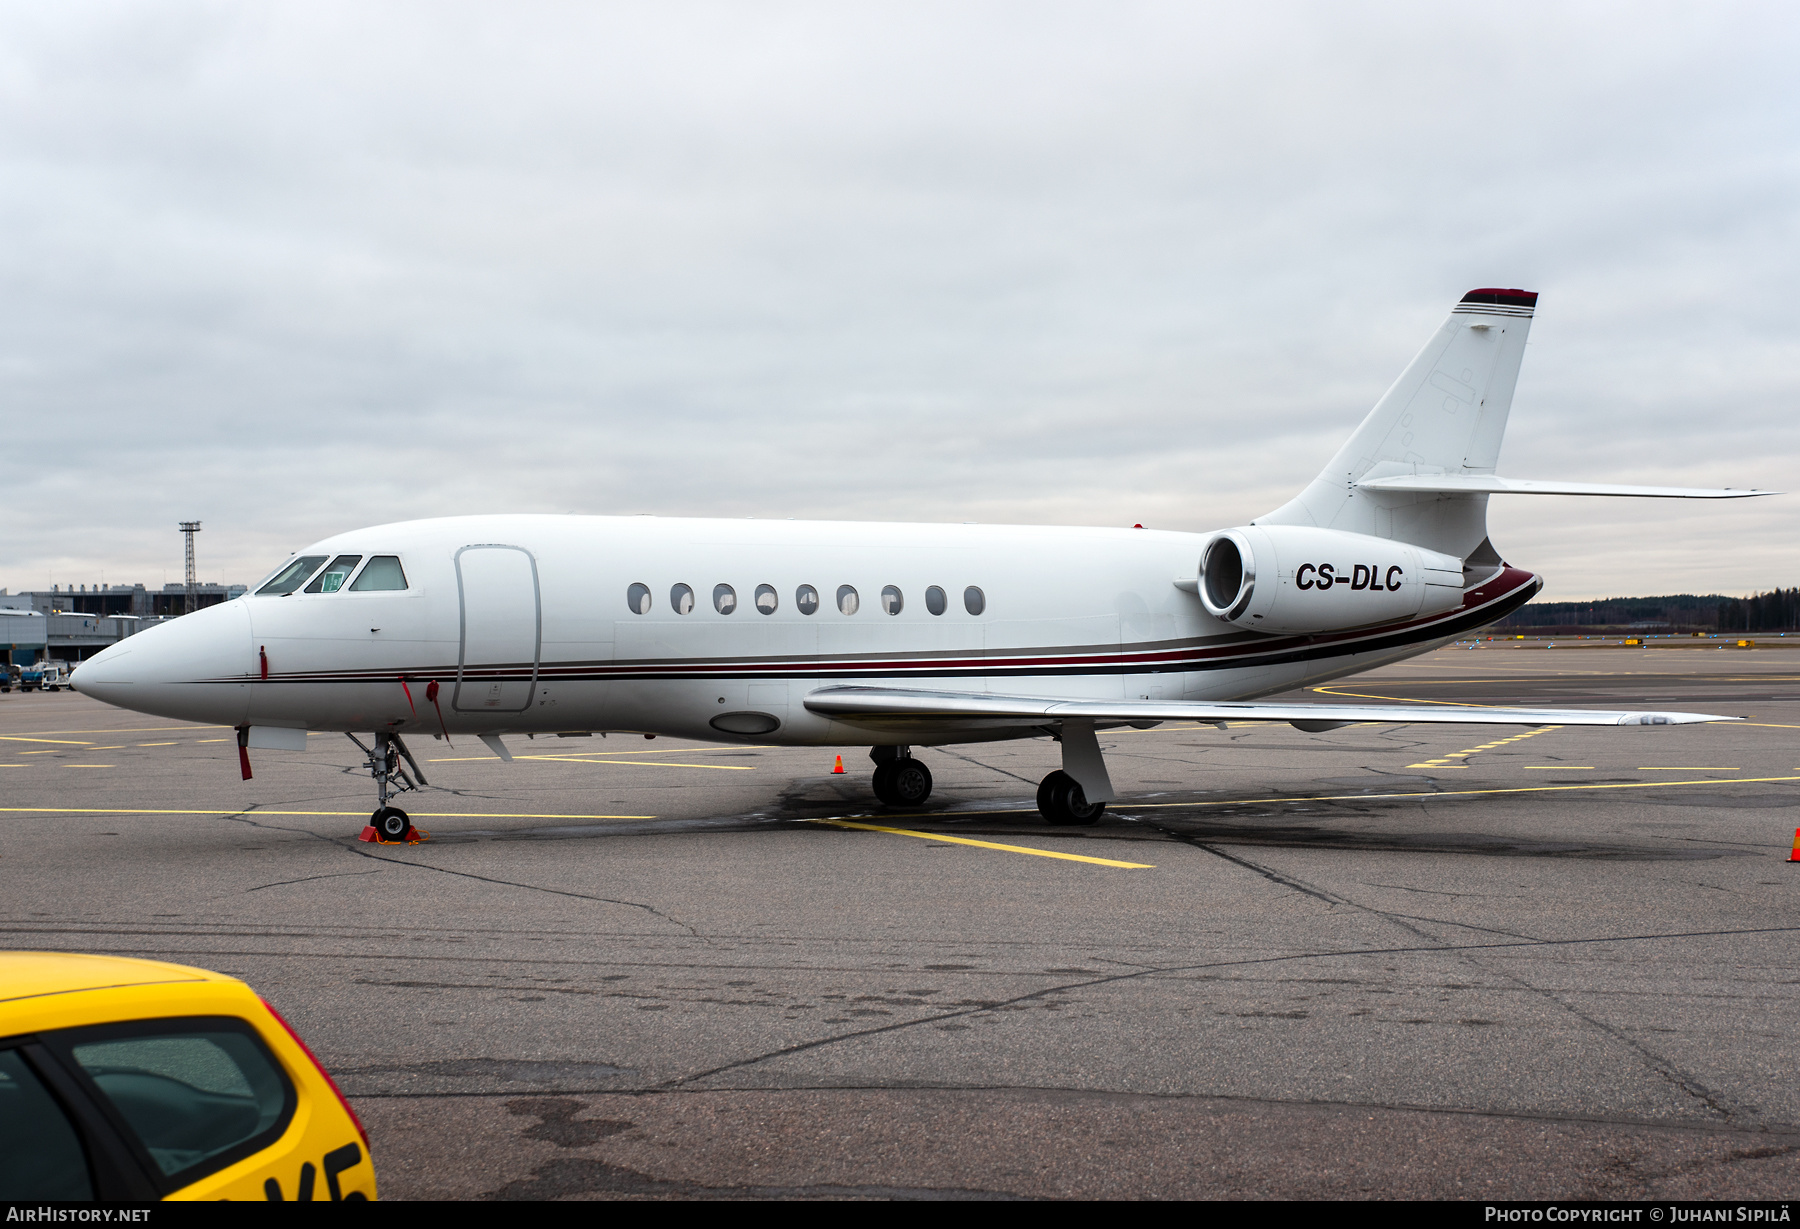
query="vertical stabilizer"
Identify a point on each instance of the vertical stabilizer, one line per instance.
(1446, 414)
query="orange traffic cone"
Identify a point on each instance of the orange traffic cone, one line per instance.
(1795, 856)
(839, 770)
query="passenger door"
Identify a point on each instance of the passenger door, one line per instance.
(502, 628)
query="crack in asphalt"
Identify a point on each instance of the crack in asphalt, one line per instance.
(999, 1004)
(244, 816)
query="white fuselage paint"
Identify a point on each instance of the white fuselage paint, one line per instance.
(523, 624)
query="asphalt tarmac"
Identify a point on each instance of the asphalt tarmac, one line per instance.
(1389, 961)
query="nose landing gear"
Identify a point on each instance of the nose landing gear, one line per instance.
(388, 823)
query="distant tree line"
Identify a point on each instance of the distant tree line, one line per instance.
(1777, 610)
(1679, 610)
(1774, 611)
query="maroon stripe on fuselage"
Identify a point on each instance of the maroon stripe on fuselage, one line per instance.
(1500, 596)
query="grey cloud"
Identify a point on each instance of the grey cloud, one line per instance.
(294, 268)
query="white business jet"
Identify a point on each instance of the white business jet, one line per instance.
(888, 636)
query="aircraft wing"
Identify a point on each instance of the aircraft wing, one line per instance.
(1493, 484)
(897, 706)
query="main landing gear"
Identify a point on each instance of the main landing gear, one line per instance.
(1076, 793)
(1062, 801)
(900, 780)
(389, 823)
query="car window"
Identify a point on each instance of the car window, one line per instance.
(335, 574)
(293, 575)
(383, 573)
(198, 1094)
(40, 1154)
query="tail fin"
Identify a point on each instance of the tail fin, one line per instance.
(1445, 415)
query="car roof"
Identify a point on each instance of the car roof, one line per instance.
(25, 975)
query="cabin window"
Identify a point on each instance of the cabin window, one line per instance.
(891, 601)
(681, 599)
(766, 601)
(382, 573)
(637, 599)
(807, 599)
(935, 601)
(335, 574)
(974, 600)
(847, 600)
(724, 599)
(293, 575)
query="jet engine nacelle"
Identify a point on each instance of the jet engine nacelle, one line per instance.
(1295, 579)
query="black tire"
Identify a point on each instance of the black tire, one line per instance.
(1062, 802)
(883, 783)
(391, 824)
(909, 783)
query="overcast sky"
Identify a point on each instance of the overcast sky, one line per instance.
(294, 268)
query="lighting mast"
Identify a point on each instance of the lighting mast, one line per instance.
(190, 528)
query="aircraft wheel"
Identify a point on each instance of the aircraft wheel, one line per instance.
(1061, 801)
(908, 783)
(391, 823)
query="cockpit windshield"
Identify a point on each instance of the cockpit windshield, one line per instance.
(383, 572)
(333, 577)
(292, 576)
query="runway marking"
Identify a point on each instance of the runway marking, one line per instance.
(1446, 793)
(1442, 760)
(159, 744)
(128, 729)
(67, 742)
(566, 759)
(87, 765)
(362, 814)
(1561, 767)
(1695, 768)
(960, 840)
(51, 751)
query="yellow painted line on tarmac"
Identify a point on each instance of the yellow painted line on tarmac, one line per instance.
(551, 755)
(212, 740)
(87, 765)
(1559, 767)
(1690, 768)
(51, 751)
(130, 729)
(1770, 725)
(1124, 804)
(259, 814)
(570, 759)
(961, 840)
(68, 742)
(159, 744)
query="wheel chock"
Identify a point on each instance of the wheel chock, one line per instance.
(413, 836)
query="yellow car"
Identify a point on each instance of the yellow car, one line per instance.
(135, 1079)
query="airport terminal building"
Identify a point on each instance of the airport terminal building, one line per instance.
(72, 623)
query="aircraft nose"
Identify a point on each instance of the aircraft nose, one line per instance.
(195, 668)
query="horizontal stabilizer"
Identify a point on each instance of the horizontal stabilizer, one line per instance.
(889, 706)
(1491, 484)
